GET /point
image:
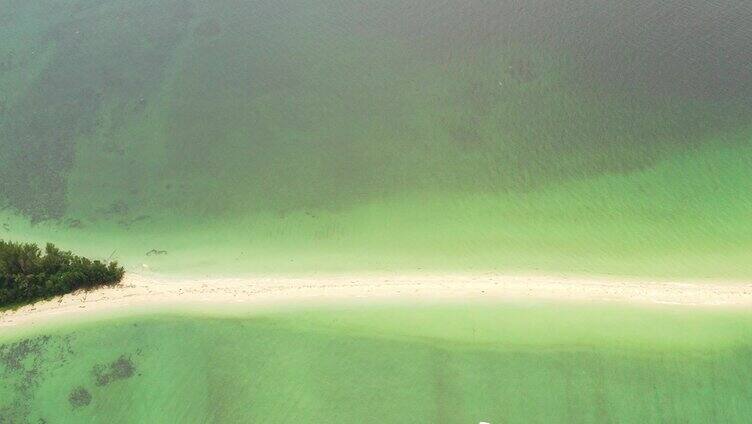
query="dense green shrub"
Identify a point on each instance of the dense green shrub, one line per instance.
(28, 275)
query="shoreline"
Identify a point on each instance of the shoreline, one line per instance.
(139, 293)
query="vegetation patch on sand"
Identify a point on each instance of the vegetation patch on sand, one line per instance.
(28, 275)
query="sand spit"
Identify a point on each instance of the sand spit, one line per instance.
(148, 292)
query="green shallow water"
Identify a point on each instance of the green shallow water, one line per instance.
(685, 217)
(453, 364)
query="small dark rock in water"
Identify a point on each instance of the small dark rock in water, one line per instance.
(141, 218)
(79, 397)
(156, 252)
(117, 208)
(75, 223)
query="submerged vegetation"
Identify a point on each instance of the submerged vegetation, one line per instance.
(28, 275)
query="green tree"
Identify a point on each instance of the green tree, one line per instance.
(27, 274)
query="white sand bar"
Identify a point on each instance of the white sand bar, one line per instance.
(149, 292)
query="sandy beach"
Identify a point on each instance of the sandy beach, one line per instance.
(140, 292)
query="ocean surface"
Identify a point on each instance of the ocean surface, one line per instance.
(233, 137)
(450, 364)
(583, 136)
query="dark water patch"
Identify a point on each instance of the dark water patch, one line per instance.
(120, 369)
(577, 126)
(79, 397)
(101, 56)
(688, 48)
(679, 47)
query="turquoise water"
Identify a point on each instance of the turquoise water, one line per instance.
(503, 363)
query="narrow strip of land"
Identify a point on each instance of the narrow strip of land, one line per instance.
(142, 292)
